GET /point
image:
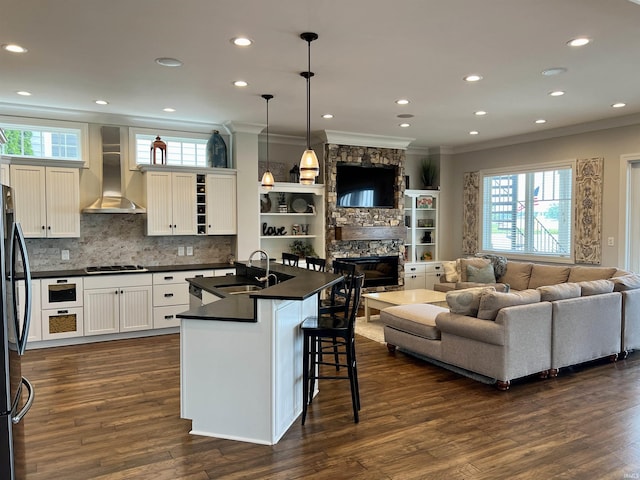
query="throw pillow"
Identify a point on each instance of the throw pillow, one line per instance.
(583, 274)
(476, 262)
(596, 287)
(562, 291)
(517, 275)
(481, 274)
(466, 302)
(626, 282)
(542, 275)
(450, 271)
(492, 302)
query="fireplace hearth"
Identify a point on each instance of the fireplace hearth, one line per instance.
(378, 270)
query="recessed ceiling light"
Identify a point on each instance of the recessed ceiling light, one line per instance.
(474, 77)
(14, 48)
(402, 101)
(240, 83)
(405, 115)
(102, 102)
(404, 125)
(168, 62)
(556, 93)
(480, 113)
(619, 105)
(474, 132)
(541, 120)
(24, 93)
(241, 41)
(578, 42)
(327, 115)
(169, 109)
(549, 72)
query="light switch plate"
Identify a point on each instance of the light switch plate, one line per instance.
(181, 251)
(189, 251)
(64, 254)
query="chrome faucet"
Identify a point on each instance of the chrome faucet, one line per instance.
(264, 279)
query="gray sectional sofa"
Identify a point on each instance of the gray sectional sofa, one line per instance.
(552, 317)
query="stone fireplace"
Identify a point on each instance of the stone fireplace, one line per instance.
(361, 248)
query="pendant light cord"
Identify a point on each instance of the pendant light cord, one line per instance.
(267, 97)
(309, 95)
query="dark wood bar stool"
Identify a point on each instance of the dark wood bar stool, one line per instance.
(333, 334)
(315, 263)
(290, 259)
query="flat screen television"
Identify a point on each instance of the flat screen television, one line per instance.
(366, 187)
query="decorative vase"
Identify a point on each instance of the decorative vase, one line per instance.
(216, 151)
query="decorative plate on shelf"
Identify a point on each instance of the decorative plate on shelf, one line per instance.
(299, 205)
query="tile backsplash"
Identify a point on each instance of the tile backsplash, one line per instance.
(116, 239)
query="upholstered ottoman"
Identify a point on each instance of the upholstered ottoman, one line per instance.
(410, 325)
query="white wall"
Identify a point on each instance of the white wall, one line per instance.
(609, 143)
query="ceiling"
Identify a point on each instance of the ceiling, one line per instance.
(369, 54)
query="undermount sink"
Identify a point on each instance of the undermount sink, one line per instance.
(239, 289)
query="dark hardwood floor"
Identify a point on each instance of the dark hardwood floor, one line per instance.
(111, 411)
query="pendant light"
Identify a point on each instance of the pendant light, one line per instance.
(267, 178)
(309, 167)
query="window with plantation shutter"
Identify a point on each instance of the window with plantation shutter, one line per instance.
(528, 212)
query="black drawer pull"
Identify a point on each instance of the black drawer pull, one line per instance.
(62, 281)
(168, 278)
(60, 312)
(168, 295)
(168, 317)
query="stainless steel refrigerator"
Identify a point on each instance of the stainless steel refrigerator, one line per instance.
(16, 393)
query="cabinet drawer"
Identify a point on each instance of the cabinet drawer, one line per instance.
(117, 281)
(435, 267)
(62, 323)
(173, 294)
(167, 278)
(414, 268)
(165, 317)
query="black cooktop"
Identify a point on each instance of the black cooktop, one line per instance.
(115, 269)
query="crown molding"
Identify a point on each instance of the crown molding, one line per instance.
(366, 140)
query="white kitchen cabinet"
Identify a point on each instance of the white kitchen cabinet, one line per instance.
(4, 174)
(117, 303)
(47, 200)
(293, 212)
(171, 295)
(221, 204)
(35, 324)
(171, 203)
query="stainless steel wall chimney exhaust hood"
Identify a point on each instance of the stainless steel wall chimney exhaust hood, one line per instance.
(112, 200)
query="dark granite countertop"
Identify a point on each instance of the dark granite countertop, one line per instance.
(294, 284)
(154, 269)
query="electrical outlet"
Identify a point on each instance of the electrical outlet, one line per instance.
(181, 251)
(611, 241)
(65, 254)
(189, 251)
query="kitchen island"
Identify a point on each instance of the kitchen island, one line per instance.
(241, 356)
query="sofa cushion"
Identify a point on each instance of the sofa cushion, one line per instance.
(492, 302)
(476, 262)
(517, 275)
(548, 275)
(583, 274)
(626, 282)
(500, 287)
(418, 319)
(561, 291)
(450, 271)
(596, 287)
(467, 301)
(481, 274)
